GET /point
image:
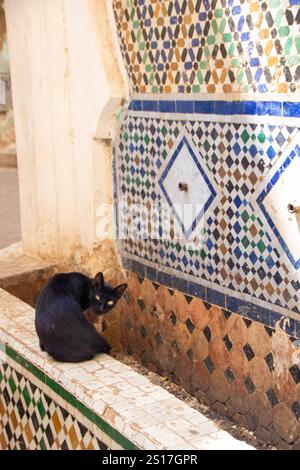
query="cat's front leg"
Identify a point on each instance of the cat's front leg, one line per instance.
(104, 347)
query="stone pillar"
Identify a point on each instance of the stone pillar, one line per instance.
(65, 71)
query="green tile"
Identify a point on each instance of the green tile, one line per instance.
(26, 396)
(41, 408)
(12, 384)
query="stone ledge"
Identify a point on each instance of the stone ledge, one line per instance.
(110, 395)
(22, 275)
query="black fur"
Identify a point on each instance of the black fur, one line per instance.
(62, 329)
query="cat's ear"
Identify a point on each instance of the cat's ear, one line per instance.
(98, 281)
(119, 291)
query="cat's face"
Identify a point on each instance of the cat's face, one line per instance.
(102, 296)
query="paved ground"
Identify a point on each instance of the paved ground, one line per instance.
(9, 207)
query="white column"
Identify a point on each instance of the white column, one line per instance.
(64, 69)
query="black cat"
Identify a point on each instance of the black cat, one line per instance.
(62, 328)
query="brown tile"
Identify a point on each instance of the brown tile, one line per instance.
(283, 350)
(28, 433)
(182, 336)
(286, 422)
(239, 401)
(219, 407)
(73, 437)
(200, 377)
(217, 322)
(167, 328)
(199, 314)
(263, 434)
(56, 422)
(184, 369)
(260, 409)
(238, 363)
(259, 339)
(3, 441)
(180, 306)
(199, 345)
(238, 333)
(219, 389)
(163, 298)
(219, 354)
(149, 294)
(13, 419)
(284, 385)
(260, 374)
(240, 419)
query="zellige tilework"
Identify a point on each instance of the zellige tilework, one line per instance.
(211, 46)
(31, 420)
(241, 368)
(238, 249)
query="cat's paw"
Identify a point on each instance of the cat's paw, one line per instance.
(105, 348)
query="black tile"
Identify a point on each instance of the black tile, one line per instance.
(35, 421)
(207, 305)
(48, 400)
(143, 331)
(20, 409)
(272, 397)
(6, 396)
(64, 413)
(49, 435)
(190, 354)
(141, 304)
(127, 297)
(188, 298)
(83, 429)
(295, 373)
(158, 339)
(227, 314)
(249, 385)
(228, 343)
(64, 445)
(248, 323)
(209, 364)
(8, 431)
(207, 333)
(229, 375)
(101, 445)
(248, 351)
(296, 409)
(269, 330)
(270, 361)
(155, 285)
(173, 317)
(190, 325)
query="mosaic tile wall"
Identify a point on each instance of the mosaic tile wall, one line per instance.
(241, 368)
(210, 46)
(33, 418)
(240, 158)
(214, 298)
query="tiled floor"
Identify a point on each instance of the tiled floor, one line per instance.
(9, 207)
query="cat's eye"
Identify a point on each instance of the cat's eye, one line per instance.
(97, 297)
(110, 302)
